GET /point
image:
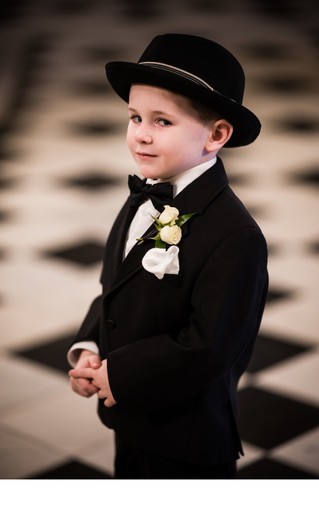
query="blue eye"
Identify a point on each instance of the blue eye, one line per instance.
(164, 122)
(135, 118)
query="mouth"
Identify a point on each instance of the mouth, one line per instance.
(144, 156)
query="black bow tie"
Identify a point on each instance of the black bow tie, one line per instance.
(160, 194)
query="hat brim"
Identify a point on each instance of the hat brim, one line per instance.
(122, 75)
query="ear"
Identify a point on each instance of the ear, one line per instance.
(220, 132)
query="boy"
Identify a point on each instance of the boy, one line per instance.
(165, 344)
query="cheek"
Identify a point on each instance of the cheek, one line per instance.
(129, 137)
(194, 145)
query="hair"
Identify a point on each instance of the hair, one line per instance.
(205, 113)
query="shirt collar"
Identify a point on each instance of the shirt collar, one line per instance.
(183, 179)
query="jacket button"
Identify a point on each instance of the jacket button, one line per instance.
(110, 324)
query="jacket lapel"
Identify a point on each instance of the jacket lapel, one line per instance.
(113, 255)
(200, 193)
(124, 222)
(194, 198)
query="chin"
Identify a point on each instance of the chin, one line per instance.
(148, 174)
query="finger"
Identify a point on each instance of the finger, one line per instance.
(109, 402)
(91, 388)
(101, 394)
(81, 373)
(77, 387)
(79, 391)
(83, 387)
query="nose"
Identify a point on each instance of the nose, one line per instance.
(143, 135)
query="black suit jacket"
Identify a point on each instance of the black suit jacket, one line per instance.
(176, 347)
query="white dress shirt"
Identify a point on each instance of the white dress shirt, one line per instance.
(143, 217)
(140, 223)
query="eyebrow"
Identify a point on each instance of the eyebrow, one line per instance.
(155, 112)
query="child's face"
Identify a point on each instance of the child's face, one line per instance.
(165, 135)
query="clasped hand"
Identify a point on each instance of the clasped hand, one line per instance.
(90, 377)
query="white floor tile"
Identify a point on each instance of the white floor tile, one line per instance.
(65, 421)
(21, 456)
(303, 452)
(100, 455)
(24, 382)
(252, 453)
(297, 377)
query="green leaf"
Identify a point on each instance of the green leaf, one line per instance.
(156, 238)
(158, 225)
(159, 244)
(182, 219)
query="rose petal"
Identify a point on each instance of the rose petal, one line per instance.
(171, 235)
(168, 215)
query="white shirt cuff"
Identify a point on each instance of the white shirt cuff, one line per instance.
(76, 349)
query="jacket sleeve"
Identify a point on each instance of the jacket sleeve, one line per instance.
(89, 330)
(227, 303)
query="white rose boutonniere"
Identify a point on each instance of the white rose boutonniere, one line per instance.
(162, 260)
(169, 215)
(171, 235)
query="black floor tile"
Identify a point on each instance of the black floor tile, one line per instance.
(279, 9)
(8, 153)
(268, 420)
(141, 9)
(72, 470)
(87, 253)
(51, 354)
(6, 183)
(3, 253)
(300, 125)
(67, 7)
(209, 6)
(271, 469)
(277, 294)
(95, 128)
(237, 180)
(314, 247)
(265, 51)
(5, 216)
(101, 52)
(311, 177)
(270, 350)
(286, 85)
(91, 181)
(91, 88)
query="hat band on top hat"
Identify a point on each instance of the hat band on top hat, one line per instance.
(183, 73)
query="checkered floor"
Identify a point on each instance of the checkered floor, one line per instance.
(63, 175)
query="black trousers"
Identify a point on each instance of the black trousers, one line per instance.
(133, 463)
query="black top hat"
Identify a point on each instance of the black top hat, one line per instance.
(194, 67)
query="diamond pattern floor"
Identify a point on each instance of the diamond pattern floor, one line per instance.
(63, 179)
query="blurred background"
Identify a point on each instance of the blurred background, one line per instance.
(63, 173)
